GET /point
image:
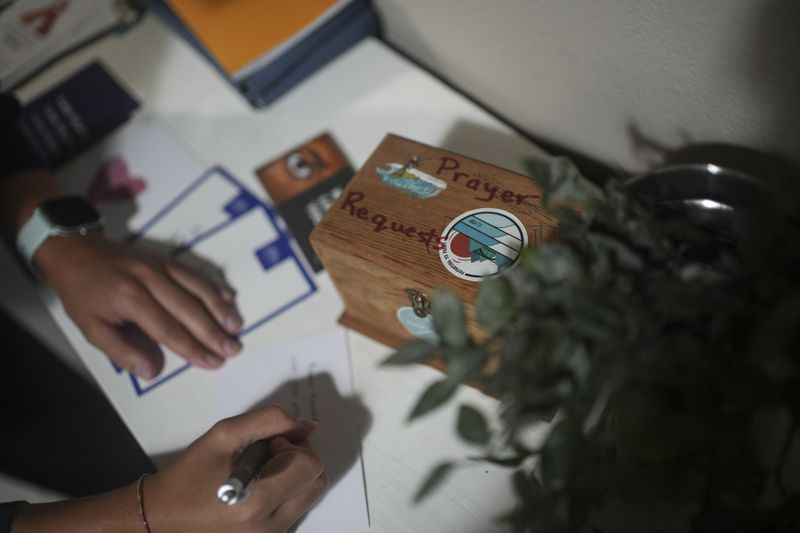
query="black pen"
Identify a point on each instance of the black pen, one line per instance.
(247, 468)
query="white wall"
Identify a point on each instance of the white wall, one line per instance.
(621, 81)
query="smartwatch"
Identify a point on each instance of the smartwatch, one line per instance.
(66, 215)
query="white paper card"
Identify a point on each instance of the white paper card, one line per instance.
(310, 378)
(198, 210)
(243, 249)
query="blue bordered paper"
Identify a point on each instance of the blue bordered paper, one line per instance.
(238, 205)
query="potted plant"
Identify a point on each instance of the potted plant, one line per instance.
(671, 375)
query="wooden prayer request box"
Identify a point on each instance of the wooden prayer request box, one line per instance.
(415, 217)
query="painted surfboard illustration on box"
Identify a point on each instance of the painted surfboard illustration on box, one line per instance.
(481, 243)
(412, 181)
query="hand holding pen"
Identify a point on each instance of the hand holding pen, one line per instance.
(288, 481)
(247, 469)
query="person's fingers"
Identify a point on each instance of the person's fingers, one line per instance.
(139, 307)
(287, 514)
(218, 300)
(290, 472)
(238, 432)
(187, 309)
(127, 346)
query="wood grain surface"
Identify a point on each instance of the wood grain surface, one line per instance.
(377, 240)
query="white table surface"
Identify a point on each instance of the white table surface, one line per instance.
(365, 94)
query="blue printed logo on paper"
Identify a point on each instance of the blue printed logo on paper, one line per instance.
(273, 253)
(481, 243)
(412, 181)
(241, 203)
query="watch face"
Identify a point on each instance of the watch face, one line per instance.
(70, 212)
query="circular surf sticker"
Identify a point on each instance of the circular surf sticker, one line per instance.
(481, 243)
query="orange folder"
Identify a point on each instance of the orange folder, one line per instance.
(239, 32)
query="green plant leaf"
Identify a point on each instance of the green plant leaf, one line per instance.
(562, 455)
(770, 428)
(465, 363)
(526, 485)
(434, 396)
(415, 351)
(556, 263)
(493, 303)
(674, 374)
(472, 426)
(560, 180)
(625, 257)
(434, 479)
(511, 461)
(449, 318)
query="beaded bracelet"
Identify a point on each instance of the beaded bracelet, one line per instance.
(140, 496)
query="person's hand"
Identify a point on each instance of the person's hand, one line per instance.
(126, 303)
(183, 496)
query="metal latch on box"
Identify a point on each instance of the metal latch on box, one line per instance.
(419, 302)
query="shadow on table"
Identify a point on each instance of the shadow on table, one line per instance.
(344, 420)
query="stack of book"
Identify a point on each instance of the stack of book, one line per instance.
(266, 47)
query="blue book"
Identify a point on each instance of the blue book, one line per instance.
(71, 116)
(349, 26)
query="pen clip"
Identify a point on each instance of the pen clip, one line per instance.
(247, 470)
(232, 491)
